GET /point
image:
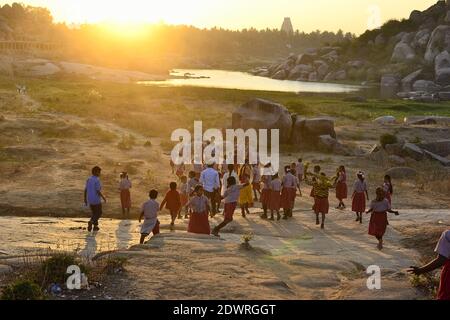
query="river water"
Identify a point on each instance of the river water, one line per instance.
(245, 81)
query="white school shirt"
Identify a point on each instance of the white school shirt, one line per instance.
(256, 174)
(360, 186)
(124, 184)
(289, 181)
(150, 209)
(443, 246)
(380, 206)
(210, 180)
(225, 177)
(232, 193)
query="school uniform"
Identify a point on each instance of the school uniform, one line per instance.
(378, 219)
(125, 195)
(443, 249)
(265, 193)
(151, 223)
(180, 170)
(321, 192)
(225, 177)
(231, 197)
(93, 187)
(387, 192)
(341, 186)
(246, 195)
(184, 194)
(198, 220)
(359, 199)
(256, 178)
(288, 191)
(172, 202)
(275, 195)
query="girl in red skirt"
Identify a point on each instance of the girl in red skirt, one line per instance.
(315, 174)
(231, 197)
(172, 202)
(265, 193)
(322, 186)
(442, 260)
(198, 219)
(288, 192)
(275, 197)
(388, 188)
(125, 195)
(359, 196)
(378, 220)
(341, 187)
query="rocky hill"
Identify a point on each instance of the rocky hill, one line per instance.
(409, 58)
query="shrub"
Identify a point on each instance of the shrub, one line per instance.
(387, 138)
(126, 143)
(22, 290)
(54, 269)
(115, 265)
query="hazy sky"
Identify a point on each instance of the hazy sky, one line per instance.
(307, 15)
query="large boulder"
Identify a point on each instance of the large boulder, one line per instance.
(305, 58)
(413, 151)
(421, 39)
(341, 75)
(439, 41)
(307, 132)
(401, 172)
(408, 81)
(298, 70)
(426, 85)
(263, 114)
(432, 156)
(441, 148)
(280, 75)
(442, 68)
(385, 120)
(403, 53)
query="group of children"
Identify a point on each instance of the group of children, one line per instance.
(242, 185)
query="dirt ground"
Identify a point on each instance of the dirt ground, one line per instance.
(46, 158)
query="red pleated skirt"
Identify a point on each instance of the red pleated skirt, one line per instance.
(265, 196)
(199, 223)
(341, 191)
(378, 224)
(359, 202)
(288, 198)
(444, 285)
(321, 205)
(125, 199)
(274, 200)
(229, 210)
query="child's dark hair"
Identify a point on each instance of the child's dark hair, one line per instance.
(231, 181)
(300, 159)
(287, 169)
(198, 187)
(275, 176)
(173, 186)
(191, 174)
(230, 167)
(317, 168)
(153, 194)
(96, 170)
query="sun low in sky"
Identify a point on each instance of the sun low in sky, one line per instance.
(307, 15)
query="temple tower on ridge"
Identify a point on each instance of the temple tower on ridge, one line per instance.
(287, 26)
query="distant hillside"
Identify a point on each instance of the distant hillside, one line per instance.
(410, 58)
